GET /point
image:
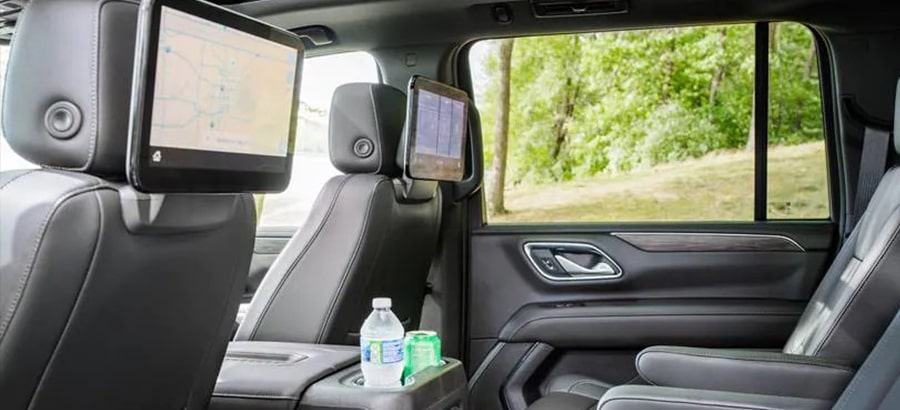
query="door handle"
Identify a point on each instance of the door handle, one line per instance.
(570, 261)
(601, 268)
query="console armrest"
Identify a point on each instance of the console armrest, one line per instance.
(744, 371)
(668, 398)
(273, 375)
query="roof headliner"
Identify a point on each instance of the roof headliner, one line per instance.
(371, 24)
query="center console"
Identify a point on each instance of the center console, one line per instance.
(271, 375)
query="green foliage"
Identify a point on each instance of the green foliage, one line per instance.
(795, 110)
(588, 104)
(715, 187)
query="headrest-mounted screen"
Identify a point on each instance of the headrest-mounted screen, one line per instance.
(436, 131)
(216, 97)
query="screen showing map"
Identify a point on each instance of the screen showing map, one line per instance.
(220, 91)
(439, 132)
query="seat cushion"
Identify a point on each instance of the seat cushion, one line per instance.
(563, 401)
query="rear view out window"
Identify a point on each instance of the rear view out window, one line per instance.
(312, 166)
(650, 125)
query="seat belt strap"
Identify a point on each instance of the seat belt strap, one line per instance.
(872, 165)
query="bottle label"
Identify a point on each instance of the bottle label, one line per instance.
(382, 351)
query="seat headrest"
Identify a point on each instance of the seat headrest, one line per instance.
(365, 128)
(897, 119)
(68, 84)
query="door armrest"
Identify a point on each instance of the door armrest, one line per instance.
(744, 371)
(668, 398)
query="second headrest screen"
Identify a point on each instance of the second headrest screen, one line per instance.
(437, 132)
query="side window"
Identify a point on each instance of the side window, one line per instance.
(650, 125)
(797, 168)
(312, 167)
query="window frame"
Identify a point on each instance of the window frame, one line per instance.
(834, 168)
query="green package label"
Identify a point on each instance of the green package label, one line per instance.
(381, 351)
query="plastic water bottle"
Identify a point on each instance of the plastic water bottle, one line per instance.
(381, 346)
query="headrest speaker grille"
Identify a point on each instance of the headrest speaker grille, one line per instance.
(62, 120)
(363, 147)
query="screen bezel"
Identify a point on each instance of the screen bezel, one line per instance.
(162, 179)
(417, 83)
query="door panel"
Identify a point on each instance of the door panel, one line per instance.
(719, 322)
(502, 280)
(713, 285)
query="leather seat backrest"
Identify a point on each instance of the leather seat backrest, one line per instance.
(369, 234)
(109, 298)
(877, 383)
(861, 291)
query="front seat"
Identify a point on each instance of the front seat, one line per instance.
(843, 321)
(109, 298)
(370, 233)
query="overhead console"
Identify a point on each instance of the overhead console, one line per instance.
(577, 8)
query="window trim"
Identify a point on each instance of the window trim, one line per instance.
(761, 123)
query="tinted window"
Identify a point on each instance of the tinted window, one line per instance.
(650, 125)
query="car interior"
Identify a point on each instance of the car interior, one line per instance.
(664, 205)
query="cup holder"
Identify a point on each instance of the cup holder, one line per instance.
(358, 380)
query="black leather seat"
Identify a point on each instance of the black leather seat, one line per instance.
(370, 233)
(876, 386)
(103, 303)
(846, 316)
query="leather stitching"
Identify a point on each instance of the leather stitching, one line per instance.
(875, 357)
(800, 360)
(293, 267)
(350, 265)
(378, 138)
(26, 274)
(16, 177)
(226, 321)
(80, 290)
(254, 396)
(261, 362)
(95, 55)
(843, 311)
(744, 406)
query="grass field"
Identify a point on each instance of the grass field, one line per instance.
(717, 187)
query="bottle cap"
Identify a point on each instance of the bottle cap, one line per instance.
(381, 303)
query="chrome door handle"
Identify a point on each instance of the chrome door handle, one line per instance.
(570, 261)
(601, 268)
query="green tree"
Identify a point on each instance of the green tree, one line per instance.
(584, 104)
(501, 128)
